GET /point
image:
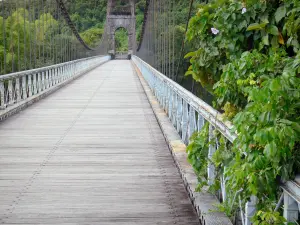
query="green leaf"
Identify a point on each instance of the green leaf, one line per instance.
(190, 54)
(270, 150)
(280, 13)
(275, 41)
(275, 85)
(256, 26)
(265, 39)
(190, 72)
(273, 30)
(296, 127)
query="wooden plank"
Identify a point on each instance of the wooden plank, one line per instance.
(91, 153)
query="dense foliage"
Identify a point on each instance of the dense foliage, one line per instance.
(247, 55)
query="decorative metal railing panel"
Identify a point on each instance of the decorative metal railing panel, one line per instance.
(188, 114)
(17, 87)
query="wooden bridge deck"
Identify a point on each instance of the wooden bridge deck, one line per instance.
(91, 153)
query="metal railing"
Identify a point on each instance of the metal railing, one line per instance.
(17, 87)
(188, 114)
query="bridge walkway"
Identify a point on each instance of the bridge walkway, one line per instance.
(91, 153)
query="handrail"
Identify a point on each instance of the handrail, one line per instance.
(42, 69)
(17, 87)
(209, 113)
(188, 113)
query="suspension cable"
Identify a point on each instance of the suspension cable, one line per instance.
(144, 25)
(71, 24)
(183, 39)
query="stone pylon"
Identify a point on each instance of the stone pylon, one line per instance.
(121, 14)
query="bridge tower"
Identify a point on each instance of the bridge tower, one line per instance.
(121, 14)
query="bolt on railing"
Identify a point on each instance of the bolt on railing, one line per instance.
(17, 87)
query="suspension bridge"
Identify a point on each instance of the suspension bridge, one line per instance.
(89, 138)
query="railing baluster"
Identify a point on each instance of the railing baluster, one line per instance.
(250, 210)
(24, 92)
(17, 90)
(211, 151)
(43, 81)
(47, 82)
(61, 74)
(223, 186)
(2, 102)
(29, 85)
(174, 109)
(200, 122)
(52, 81)
(170, 105)
(54, 77)
(179, 115)
(164, 95)
(10, 92)
(185, 121)
(34, 84)
(167, 100)
(39, 86)
(192, 122)
(22, 85)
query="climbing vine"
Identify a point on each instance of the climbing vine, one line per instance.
(247, 55)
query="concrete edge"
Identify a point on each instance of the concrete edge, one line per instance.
(16, 108)
(203, 202)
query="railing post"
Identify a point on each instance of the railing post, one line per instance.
(58, 75)
(192, 122)
(29, 85)
(24, 90)
(170, 102)
(49, 77)
(63, 73)
(290, 208)
(250, 210)
(185, 121)
(2, 102)
(174, 109)
(34, 84)
(179, 114)
(10, 92)
(43, 81)
(211, 151)
(17, 90)
(54, 77)
(39, 89)
(69, 71)
(223, 186)
(164, 96)
(200, 122)
(160, 85)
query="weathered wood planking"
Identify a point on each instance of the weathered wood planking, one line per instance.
(91, 153)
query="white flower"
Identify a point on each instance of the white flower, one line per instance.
(244, 10)
(214, 30)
